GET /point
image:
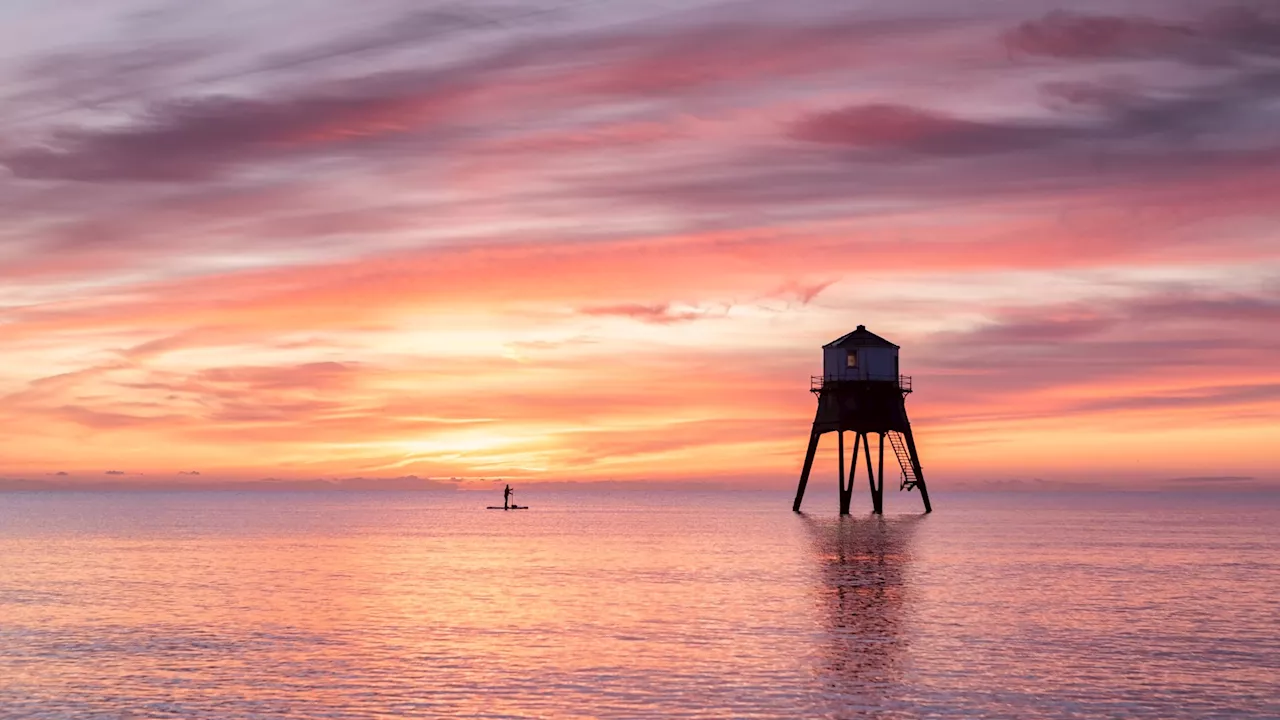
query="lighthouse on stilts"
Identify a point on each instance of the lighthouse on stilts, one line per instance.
(861, 390)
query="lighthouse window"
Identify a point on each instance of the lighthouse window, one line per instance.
(852, 360)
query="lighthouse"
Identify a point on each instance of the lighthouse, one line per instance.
(862, 391)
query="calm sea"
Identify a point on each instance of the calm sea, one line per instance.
(637, 605)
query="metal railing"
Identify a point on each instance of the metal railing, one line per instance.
(817, 382)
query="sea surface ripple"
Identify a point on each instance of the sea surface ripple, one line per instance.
(637, 605)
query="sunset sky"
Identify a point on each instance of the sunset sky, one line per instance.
(605, 240)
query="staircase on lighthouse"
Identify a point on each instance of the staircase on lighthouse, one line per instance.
(861, 391)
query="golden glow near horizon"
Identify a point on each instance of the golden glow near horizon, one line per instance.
(618, 257)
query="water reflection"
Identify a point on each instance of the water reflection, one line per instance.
(863, 589)
(224, 606)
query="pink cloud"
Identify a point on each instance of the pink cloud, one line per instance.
(893, 127)
(661, 313)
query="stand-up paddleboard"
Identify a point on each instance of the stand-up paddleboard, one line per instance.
(508, 505)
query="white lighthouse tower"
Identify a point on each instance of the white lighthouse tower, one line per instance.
(860, 355)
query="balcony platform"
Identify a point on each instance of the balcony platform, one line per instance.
(818, 382)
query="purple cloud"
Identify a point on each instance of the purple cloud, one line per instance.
(203, 138)
(1223, 34)
(1072, 35)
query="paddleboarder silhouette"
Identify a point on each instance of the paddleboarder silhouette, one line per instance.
(506, 498)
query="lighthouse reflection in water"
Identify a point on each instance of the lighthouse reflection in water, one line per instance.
(862, 564)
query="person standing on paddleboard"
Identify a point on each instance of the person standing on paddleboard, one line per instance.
(506, 498)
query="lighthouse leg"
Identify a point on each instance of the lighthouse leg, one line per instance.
(915, 461)
(871, 475)
(844, 510)
(808, 465)
(879, 488)
(846, 489)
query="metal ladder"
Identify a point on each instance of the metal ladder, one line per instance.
(899, 443)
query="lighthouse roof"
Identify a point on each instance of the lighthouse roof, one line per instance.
(860, 338)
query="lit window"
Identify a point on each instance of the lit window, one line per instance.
(852, 360)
